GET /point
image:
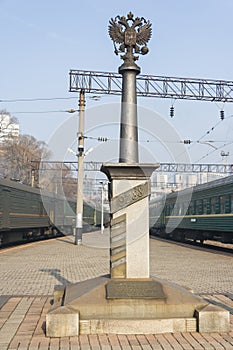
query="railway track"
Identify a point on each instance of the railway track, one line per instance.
(29, 241)
(207, 245)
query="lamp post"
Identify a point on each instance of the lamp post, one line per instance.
(33, 177)
(79, 203)
(102, 207)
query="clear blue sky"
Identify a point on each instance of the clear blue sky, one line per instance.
(41, 40)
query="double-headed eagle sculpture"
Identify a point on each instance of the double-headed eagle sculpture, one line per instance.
(131, 39)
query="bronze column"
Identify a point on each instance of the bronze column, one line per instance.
(132, 35)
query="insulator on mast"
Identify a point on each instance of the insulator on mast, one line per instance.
(172, 110)
(102, 139)
(222, 115)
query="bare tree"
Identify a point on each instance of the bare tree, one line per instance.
(17, 154)
(9, 126)
(57, 178)
(69, 184)
(20, 157)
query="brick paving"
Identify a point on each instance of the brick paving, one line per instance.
(29, 274)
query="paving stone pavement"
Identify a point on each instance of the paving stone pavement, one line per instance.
(29, 274)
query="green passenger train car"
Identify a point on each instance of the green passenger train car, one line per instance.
(27, 212)
(204, 212)
(22, 214)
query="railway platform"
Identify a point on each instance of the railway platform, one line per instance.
(30, 273)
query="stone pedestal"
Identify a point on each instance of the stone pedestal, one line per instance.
(129, 190)
(87, 308)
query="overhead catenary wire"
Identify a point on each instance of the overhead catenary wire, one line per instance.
(37, 112)
(92, 97)
(36, 99)
(214, 150)
(42, 112)
(208, 132)
(147, 140)
(191, 143)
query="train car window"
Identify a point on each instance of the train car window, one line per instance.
(228, 204)
(208, 206)
(193, 208)
(181, 210)
(178, 209)
(175, 210)
(189, 212)
(171, 207)
(200, 206)
(204, 206)
(185, 208)
(231, 203)
(167, 210)
(217, 205)
(190, 208)
(222, 204)
(212, 201)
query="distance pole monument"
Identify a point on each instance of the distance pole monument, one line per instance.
(129, 300)
(129, 180)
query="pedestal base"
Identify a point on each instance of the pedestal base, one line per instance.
(90, 308)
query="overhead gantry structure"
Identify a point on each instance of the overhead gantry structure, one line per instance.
(153, 86)
(164, 167)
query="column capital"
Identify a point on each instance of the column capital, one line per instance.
(135, 171)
